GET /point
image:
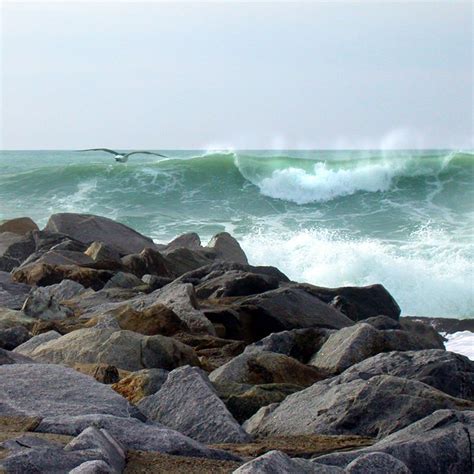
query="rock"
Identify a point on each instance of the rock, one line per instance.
(383, 323)
(437, 444)
(346, 347)
(60, 257)
(277, 462)
(13, 337)
(42, 274)
(444, 325)
(8, 357)
(188, 403)
(300, 344)
(132, 433)
(284, 309)
(123, 349)
(19, 225)
(10, 318)
(93, 467)
(65, 290)
(12, 294)
(227, 248)
(375, 407)
(425, 334)
(183, 260)
(190, 241)
(155, 282)
(43, 305)
(377, 463)
(236, 283)
(46, 390)
(107, 374)
(157, 319)
(449, 372)
(149, 261)
(141, 384)
(124, 280)
(244, 400)
(14, 249)
(180, 298)
(102, 442)
(358, 303)
(29, 346)
(104, 256)
(265, 367)
(88, 228)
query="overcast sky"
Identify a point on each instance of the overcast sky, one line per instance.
(241, 75)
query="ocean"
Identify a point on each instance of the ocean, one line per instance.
(401, 218)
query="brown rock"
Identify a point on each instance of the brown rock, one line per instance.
(19, 225)
(140, 384)
(157, 319)
(147, 262)
(227, 248)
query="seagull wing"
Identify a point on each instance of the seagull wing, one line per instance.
(144, 153)
(107, 150)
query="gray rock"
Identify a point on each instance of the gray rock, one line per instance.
(103, 255)
(155, 282)
(227, 248)
(300, 344)
(133, 434)
(181, 298)
(18, 225)
(284, 309)
(53, 390)
(148, 261)
(265, 367)
(277, 462)
(8, 357)
(346, 347)
(100, 440)
(42, 304)
(65, 290)
(252, 424)
(124, 280)
(189, 403)
(28, 347)
(124, 349)
(60, 257)
(236, 283)
(426, 334)
(377, 463)
(13, 337)
(10, 318)
(93, 467)
(449, 372)
(14, 249)
(12, 294)
(358, 303)
(183, 260)
(190, 241)
(437, 444)
(88, 228)
(375, 407)
(383, 322)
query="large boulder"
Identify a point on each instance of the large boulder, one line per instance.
(14, 249)
(12, 294)
(190, 241)
(188, 403)
(278, 310)
(449, 372)
(358, 303)
(88, 228)
(300, 344)
(375, 407)
(43, 305)
(227, 248)
(266, 367)
(52, 390)
(103, 255)
(437, 444)
(141, 384)
(148, 262)
(236, 283)
(132, 433)
(19, 225)
(124, 280)
(377, 463)
(183, 260)
(13, 337)
(43, 274)
(9, 357)
(125, 350)
(27, 347)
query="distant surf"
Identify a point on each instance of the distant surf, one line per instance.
(400, 218)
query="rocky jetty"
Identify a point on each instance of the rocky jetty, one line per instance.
(118, 354)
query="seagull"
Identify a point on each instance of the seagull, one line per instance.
(123, 157)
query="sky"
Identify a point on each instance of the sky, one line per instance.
(248, 75)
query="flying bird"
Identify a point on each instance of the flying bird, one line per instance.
(123, 157)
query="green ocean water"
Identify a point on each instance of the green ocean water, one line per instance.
(401, 218)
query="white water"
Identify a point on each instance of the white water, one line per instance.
(461, 342)
(423, 282)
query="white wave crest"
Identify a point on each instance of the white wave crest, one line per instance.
(424, 280)
(325, 184)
